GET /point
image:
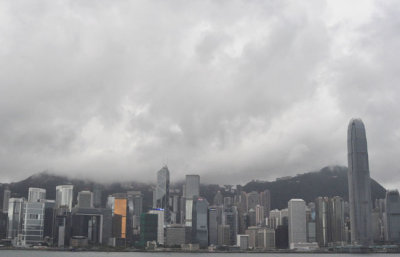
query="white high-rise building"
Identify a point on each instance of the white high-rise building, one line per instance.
(64, 195)
(297, 222)
(36, 194)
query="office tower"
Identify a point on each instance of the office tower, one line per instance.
(175, 207)
(33, 223)
(85, 199)
(253, 198)
(192, 186)
(218, 199)
(177, 234)
(36, 194)
(118, 204)
(359, 184)
(230, 218)
(223, 235)
(97, 196)
(48, 219)
(64, 195)
(6, 198)
(160, 221)
(242, 206)
(282, 237)
(148, 228)
(3, 225)
(297, 222)
(392, 203)
(62, 226)
(162, 192)
(322, 220)
(191, 189)
(265, 201)
(212, 225)
(336, 210)
(135, 205)
(260, 217)
(200, 221)
(15, 217)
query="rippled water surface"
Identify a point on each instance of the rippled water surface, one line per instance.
(18, 253)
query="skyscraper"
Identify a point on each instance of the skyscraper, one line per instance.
(6, 198)
(15, 217)
(85, 199)
(162, 192)
(200, 221)
(36, 194)
(64, 194)
(359, 184)
(297, 222)
(192, 187)
(392, 202)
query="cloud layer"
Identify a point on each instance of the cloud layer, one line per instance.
(231, 90)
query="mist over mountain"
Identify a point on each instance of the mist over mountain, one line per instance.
(329, 181)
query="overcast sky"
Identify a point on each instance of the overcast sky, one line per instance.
(230, 90)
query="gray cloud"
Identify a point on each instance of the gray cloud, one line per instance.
(232, 91)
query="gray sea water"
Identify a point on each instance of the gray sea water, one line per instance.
(17, 253)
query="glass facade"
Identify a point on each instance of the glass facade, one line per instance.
(33, 223)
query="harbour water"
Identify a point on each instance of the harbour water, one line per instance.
(35, 253)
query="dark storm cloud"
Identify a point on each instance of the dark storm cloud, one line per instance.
(256, 91)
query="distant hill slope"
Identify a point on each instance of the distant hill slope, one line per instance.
(329, 181)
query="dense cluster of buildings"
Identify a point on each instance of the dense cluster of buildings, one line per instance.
(183, 218)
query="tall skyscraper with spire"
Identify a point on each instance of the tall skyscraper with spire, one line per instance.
(359, 184)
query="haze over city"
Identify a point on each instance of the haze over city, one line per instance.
(232, 91)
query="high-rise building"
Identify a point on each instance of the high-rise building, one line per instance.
(6, 198)
(118, 203)
(97, 196)
(322, 221)
(336, 209)
(135, 206)
(64, 196)
(85, 199)
(36, 194)
(253, 198)
(192, 186)
(148, 228)
(297, 222)
(192, 189)
(162, 192)
(230, 218)
(15, 217)
(160, 227)
(265, 201)
(392, 202)
(213, 225)
(200, 221)
(33, 223)
(260, 217)
(359, 184)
